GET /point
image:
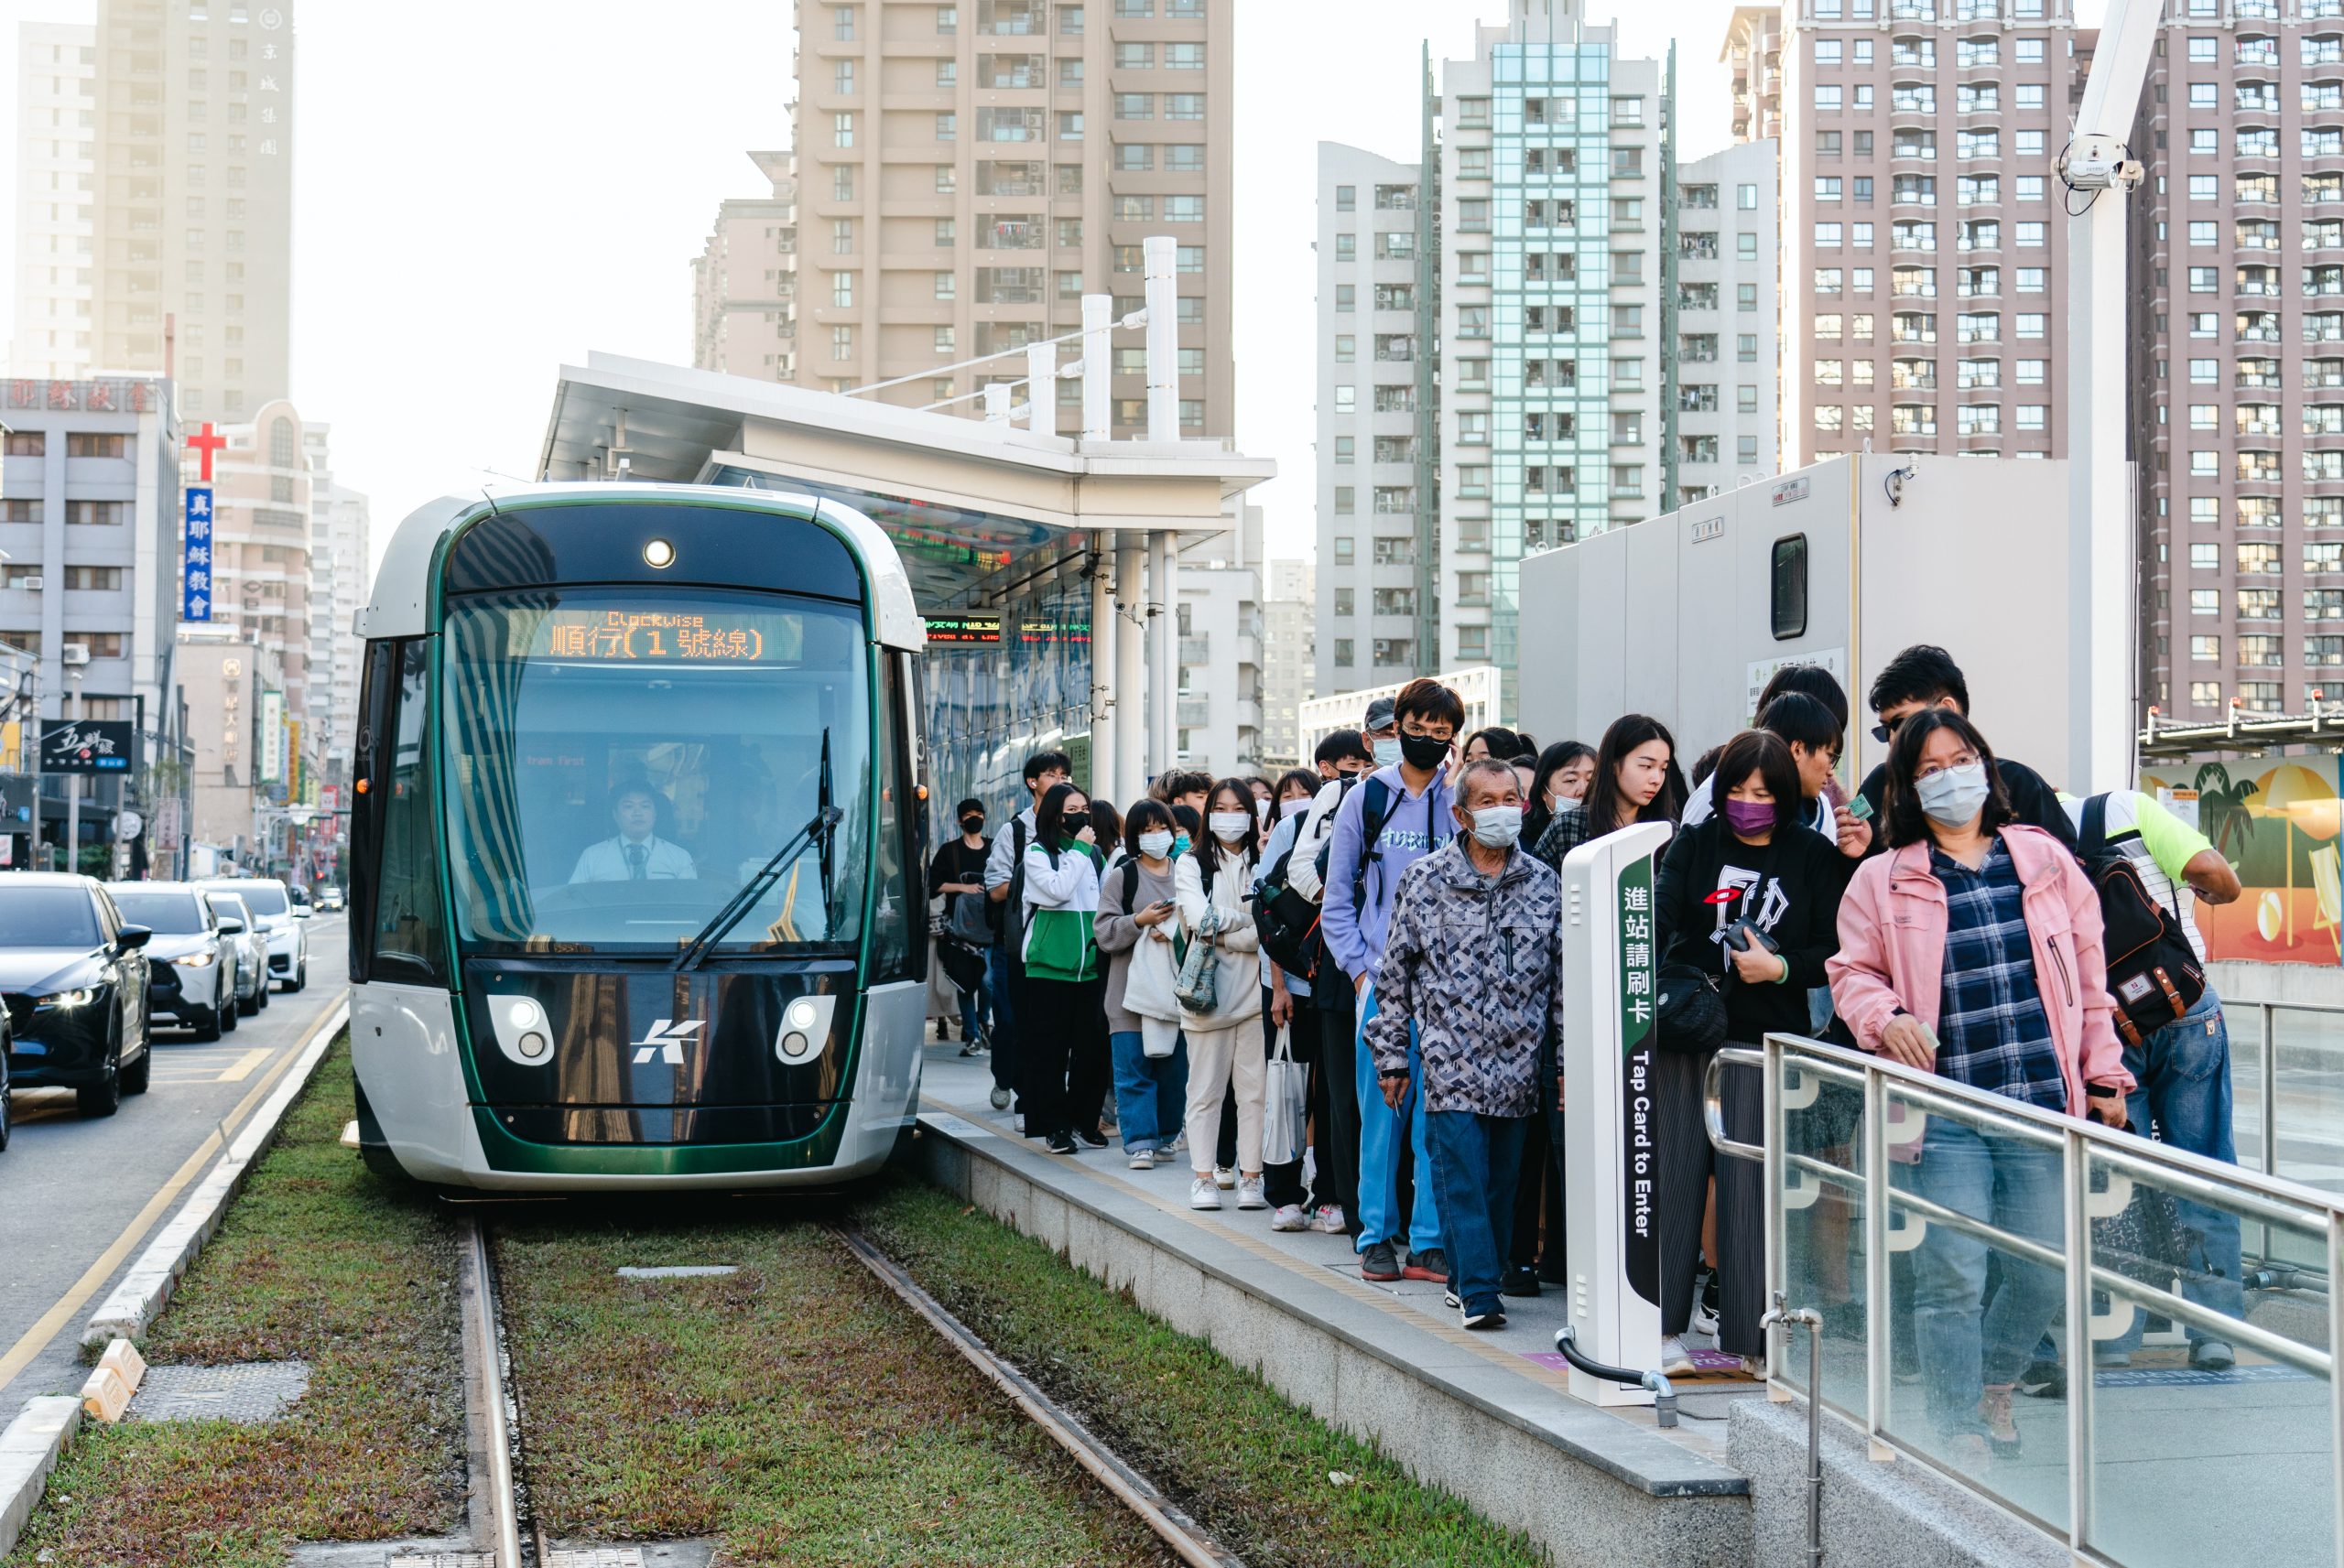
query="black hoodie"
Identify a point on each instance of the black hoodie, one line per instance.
(1789, 889)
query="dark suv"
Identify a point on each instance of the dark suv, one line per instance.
(73, 975)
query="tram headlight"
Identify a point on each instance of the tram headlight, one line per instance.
(523, 1013)
(801, 1013)
(659, 553)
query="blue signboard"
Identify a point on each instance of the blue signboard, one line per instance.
(195, 593)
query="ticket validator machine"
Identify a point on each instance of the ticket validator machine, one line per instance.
(1611, 1203)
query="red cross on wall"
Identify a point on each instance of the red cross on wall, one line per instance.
(205, 442)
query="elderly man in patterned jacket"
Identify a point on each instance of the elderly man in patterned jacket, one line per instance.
(1474, 967)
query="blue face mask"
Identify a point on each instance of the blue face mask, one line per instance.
(1180, 843)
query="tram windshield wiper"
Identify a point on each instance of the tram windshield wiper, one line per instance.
(821, 826)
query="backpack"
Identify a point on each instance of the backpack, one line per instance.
(1286, 923)
(998, 912)
(2153, 972)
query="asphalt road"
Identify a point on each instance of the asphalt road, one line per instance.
(78, 1200)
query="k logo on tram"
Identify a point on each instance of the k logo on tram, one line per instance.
(665, 1040)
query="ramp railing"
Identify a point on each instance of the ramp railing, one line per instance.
(2052, 1313)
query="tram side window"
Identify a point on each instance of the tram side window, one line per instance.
(408, 934)
(895, 954)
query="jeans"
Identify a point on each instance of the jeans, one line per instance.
(972, 1009)
(1475, 1161)
(1004, 1017)
(1966, 1342)
(1379, 1148)
(2183, 1074)
(1151, 1092)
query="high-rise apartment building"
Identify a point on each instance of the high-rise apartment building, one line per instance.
(340, 572)
(193, 164)
(1374, 547)
(1218, 711)
(57, 116)
(1923, 232)
(744, 304)
(1725, 349)
(2237, 294)
(261, 582)
(967, 171)
(1556, 251)
(1754, 55)
(1287, 660)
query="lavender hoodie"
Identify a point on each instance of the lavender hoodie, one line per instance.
(1413, 826)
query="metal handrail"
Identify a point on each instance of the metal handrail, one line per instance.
(2086, 1151)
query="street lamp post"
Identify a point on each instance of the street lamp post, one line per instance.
(73, 789)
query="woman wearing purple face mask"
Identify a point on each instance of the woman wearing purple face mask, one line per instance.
(1750, 896)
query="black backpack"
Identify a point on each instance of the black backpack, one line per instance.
(2153, 972)
(998, 914)
(1286, 923)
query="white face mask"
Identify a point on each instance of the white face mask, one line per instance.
(1262, 808)
(1228, 825)
(1155, 845)
(1288, 808)
(1496, 827)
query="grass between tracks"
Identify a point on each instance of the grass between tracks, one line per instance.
(316, 1262)
(1236, 1455)
(796, 1409)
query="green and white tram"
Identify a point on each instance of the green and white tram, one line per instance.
(636, 843)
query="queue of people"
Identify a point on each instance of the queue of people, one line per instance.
(1387, 922)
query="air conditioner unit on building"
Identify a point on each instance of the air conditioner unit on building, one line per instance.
(75, 653)
(31, 582)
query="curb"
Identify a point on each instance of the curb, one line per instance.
(139, 1298)
(29, 1451)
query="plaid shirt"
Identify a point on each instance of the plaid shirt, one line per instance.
(1993, 1034)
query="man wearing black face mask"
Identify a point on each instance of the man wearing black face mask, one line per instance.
(957, 873)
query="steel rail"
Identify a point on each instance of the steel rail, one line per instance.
(480, 1317)
(1183, 1535)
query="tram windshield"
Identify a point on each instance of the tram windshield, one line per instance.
(623, 764)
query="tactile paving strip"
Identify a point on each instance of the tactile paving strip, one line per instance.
(597, 1557)
(251, 1391)
(442, 1560)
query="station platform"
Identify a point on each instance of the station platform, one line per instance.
(1488, 1416)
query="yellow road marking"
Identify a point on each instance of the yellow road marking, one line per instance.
(36, 1338)
(244, 1066)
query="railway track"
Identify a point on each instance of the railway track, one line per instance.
(504, 1519)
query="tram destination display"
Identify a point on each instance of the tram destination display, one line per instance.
(684, 636)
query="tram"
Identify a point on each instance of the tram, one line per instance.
(636, 843)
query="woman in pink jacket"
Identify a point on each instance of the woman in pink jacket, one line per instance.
(1972, 950)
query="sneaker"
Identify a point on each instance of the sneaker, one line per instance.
(1203, 1194)
(1019, 1123)
(1223, 1177)
(971, 1049)
(1000, 1099)
(2042, 1381)
(2212, 1356)
(2104, 1360)
(1484, 1321)
(1059, 1144)
(1520, 1282)
(1249, 1192)
(1143, 1159)
(1675, 1361)
(1329, 1219)
(1091, 1137)
(1179, 1144)
(1289, 1216)
(1431, 1263)
(2001, 1431)
(1754, 1367)
(1378, 1261)
(1449, 1299)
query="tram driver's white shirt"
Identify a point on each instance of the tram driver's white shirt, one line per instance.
(606, 861)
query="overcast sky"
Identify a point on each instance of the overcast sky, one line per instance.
(483, 193)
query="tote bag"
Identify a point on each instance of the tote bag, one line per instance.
(1286, 1108)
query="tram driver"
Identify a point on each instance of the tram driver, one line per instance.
(637, 853)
